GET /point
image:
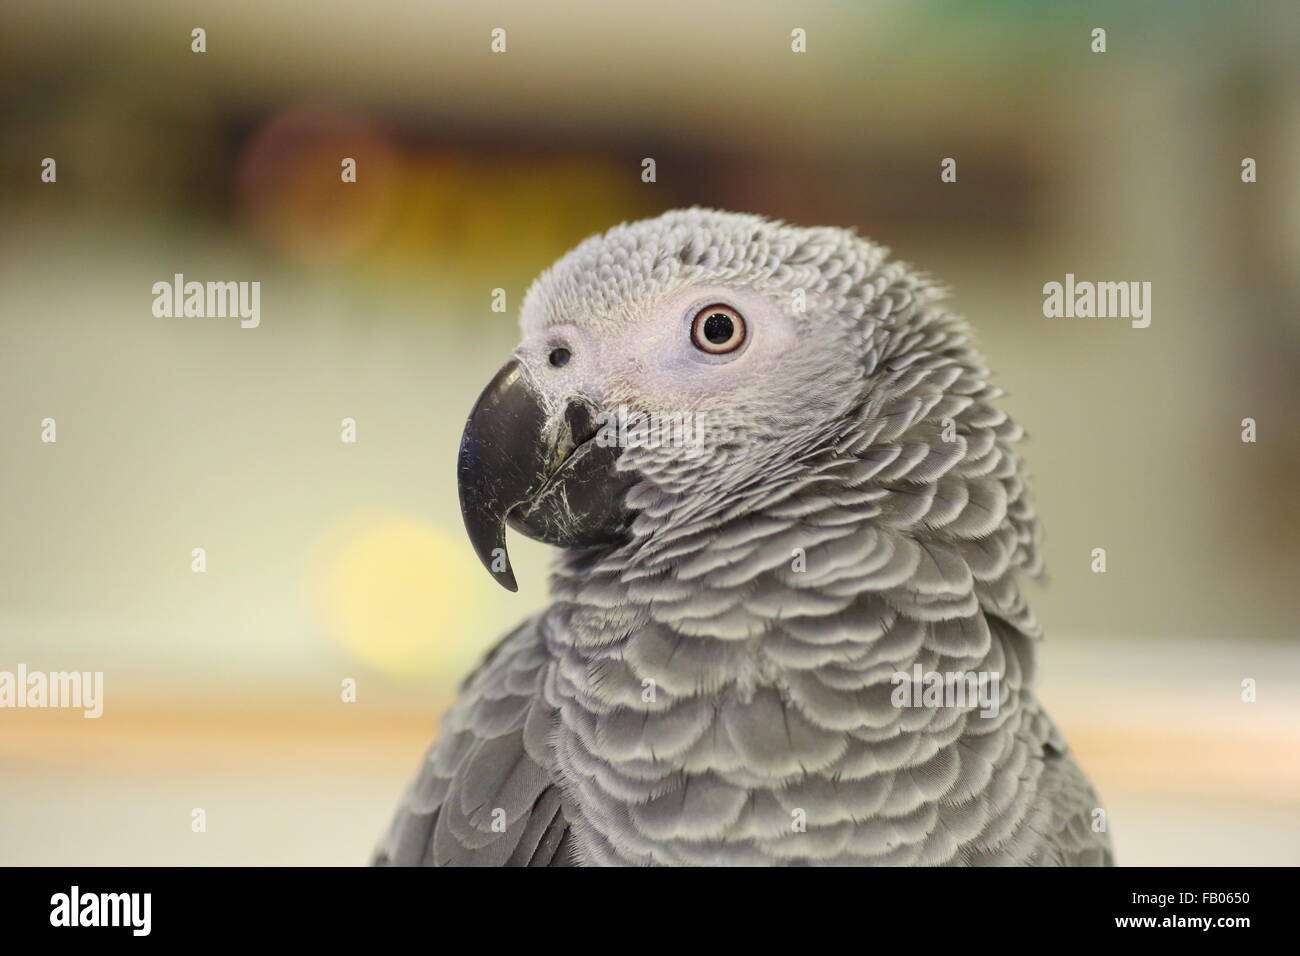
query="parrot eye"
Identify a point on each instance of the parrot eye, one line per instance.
(718, 329)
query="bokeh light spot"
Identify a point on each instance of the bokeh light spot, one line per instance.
(397, 592)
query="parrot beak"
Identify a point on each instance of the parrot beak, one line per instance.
(545, 475)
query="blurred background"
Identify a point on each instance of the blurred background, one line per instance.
(329, 561)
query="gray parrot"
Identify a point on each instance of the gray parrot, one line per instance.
(786, 625)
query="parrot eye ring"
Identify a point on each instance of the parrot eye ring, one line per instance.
(718, 329)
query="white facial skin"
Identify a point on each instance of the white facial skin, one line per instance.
(650, 362)
(789, 377)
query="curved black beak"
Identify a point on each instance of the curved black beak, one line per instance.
(547, 475)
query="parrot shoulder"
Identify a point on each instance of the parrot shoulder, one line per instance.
(485, 794)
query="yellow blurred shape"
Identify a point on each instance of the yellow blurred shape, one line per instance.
(397, 591)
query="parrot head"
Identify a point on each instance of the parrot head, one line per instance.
(684, 370)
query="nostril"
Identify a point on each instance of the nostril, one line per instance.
(560, 357)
